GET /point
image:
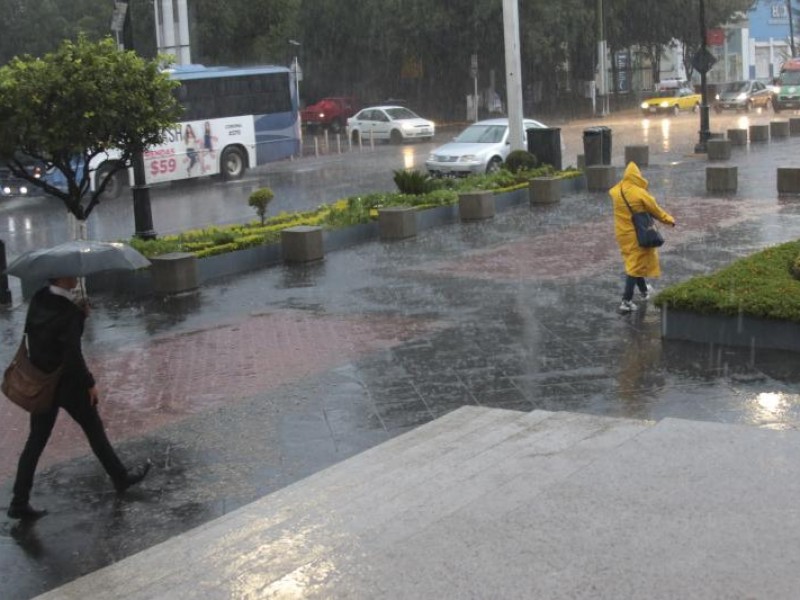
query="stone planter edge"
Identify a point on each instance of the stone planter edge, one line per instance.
(742, 330)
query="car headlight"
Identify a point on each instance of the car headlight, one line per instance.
(742, 96)
(664, 104)
(716, 97)
(23, 190)
(7, 190)
(431, 157)
(407, 128)
(467, 158)
(645, 105)
(321, 115)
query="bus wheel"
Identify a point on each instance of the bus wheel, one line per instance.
(232, 164)
(114, 186)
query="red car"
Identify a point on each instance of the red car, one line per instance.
(329, 113)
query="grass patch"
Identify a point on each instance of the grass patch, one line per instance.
(760, 285)
(354, 210)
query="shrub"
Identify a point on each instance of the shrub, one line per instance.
(413, 183)
(519, 160)
(259, 200)
(795, 268)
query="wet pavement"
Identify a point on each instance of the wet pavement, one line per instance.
(262, 379)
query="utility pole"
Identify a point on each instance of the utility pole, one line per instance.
(601, 61)
(142, 214)
(513, 73)
(791, 26)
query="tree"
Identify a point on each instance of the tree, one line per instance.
(83, 100)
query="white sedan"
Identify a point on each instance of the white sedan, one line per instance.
(393, 123)
(480, 148)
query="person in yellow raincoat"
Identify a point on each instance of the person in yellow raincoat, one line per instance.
(639, 262)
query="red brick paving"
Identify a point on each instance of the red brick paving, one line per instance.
(146, 386)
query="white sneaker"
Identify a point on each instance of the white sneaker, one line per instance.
(627, 306)
(646, 295)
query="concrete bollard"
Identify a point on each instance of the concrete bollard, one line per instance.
(718, 149)
(737, 137)
(600, 178)
(722, 179)
(302, 244)
(397, 222)
(794, 126)
(638, 154)
(174, 272)
(544, 190)
(476, 206)
(779, 129)
(788, 180)
(759, 133)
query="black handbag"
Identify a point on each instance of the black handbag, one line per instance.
(647, 233)
(27, 386)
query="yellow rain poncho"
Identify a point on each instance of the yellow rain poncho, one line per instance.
(639, 262)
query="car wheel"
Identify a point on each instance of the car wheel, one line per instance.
(494, 165)
(336, 126)
(232, 164)
(676, 110)
(113, 189)
(768, 104)
(396, 137)
(696, 107)
(748, 106)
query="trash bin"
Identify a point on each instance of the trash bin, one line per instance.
(545, 145)
(597, 145)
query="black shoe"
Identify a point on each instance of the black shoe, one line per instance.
(133, 477)
(26, 512)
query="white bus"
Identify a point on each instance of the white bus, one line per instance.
(234, 118)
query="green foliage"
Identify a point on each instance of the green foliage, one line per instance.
(519, 160)
(259, 200)
(413, 182)
(78, 102)
(760, 285)
(795, 268)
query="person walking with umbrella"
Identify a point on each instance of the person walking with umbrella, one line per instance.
(54, 328)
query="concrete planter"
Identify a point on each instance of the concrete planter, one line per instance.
(737, 137)
(174, 273)
(638, 154)
(302, 244)
(788, 180)
(600, 178)
(742, 330)
(722, 179)
(759, 133)
(397, 223)
(779, 129)
(794, 126)
(139, 283)
(545, 190)
(718, 149)
(476, 206)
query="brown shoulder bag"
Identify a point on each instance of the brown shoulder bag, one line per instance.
(28, 386)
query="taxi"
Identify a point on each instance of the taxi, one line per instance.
(672, 101)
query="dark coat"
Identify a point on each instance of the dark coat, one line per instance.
(54, 326)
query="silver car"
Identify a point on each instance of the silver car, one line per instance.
(480, 148)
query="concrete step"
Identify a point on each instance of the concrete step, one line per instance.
(487, 503)
(391, 490)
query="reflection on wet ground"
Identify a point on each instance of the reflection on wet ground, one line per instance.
(261, 379)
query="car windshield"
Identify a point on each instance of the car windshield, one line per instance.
(736, 86)
(482, 134)
(790, 78)
(401, 113)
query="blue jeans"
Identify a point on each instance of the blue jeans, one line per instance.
(630, 282)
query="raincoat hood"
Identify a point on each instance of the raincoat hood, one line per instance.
(634, 176)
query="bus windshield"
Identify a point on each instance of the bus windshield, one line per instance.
(789, 78)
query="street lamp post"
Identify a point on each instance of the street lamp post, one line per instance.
(705, 132)
(791, 26)
(142, 214)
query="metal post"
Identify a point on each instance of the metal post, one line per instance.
(791, 26)
(602, 91)
(705, 127)
(142, 215)
(513, 73)
(5, 293)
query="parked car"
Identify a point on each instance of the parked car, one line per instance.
(393, 123)
(742, 95)
(10, 185)
(672, 101)
(480, 148)
(329, 113)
